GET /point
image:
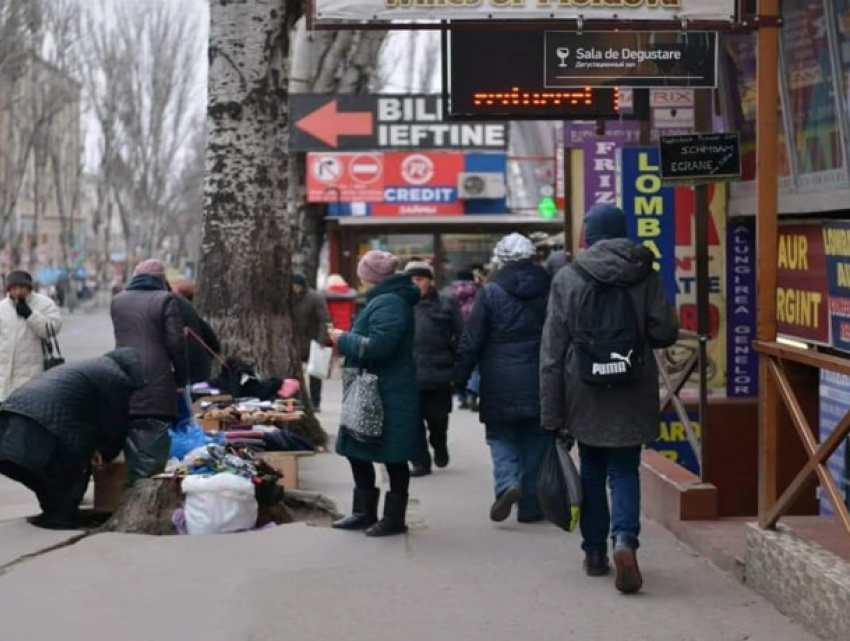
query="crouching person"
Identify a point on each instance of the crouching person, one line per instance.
(52, 427)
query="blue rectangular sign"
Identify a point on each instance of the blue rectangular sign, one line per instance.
(742, 363)
(650, 211)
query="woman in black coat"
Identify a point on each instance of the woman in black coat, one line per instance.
(503, 338)
(51, 428)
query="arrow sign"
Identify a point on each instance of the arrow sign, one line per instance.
(327, 124)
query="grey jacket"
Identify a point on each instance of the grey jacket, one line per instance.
(620, 415)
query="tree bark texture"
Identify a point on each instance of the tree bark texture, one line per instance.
(146, 508)
(244, 280)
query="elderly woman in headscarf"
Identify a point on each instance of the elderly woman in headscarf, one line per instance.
(503, 338)
(381, 343)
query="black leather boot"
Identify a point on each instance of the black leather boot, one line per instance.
(364, 511)
(596, 564)
(395, 509)
(418, 470)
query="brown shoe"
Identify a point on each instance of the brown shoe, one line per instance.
(629, 579)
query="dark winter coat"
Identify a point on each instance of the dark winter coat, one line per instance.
(605, 416)
(464, 292)
(503, 338)
(438, 331)
(147, 318)
(385, 331)
(85, 405)
(311, 318)
(200, 360)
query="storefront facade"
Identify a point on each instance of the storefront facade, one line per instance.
(449, 243)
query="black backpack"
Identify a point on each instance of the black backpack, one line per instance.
(607, 342)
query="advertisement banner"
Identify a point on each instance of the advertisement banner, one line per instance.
(836, 240)
(600, 171)
(578, 132)
(486, 10)
(686, 282)
(319, 122)
(652, 208)
(420, 184)
(802, 308)
(673, 442)
(629, 59)
(834, 405)
(741, 359)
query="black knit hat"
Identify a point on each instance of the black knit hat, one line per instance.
(18, 277)
(465, 274)
(298, 278)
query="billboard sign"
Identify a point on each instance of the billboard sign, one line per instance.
(494, 10)
(741, 359)
(836, 236)
(390, 183)
(629, 59)
(701, 157)
(802, 306)
(421, 184)
(362, 123)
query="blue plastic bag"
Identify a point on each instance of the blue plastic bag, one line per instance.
(187, 437)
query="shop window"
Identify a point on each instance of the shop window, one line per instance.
(739, 62)
(811, 88)
(460, 251)
(405, 246)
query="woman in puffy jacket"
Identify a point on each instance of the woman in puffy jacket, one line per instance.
(51, 427)
(25, 317)
(503, 339)
(381, 342)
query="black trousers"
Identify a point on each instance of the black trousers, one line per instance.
(315, 392)
(36, 458)
(436, 405)
(364, 475)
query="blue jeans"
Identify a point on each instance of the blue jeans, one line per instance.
(474, 384)
(619, 467)
(517, 450)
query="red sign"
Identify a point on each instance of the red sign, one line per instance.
(421, 184)
(345, 178)
(802, 293)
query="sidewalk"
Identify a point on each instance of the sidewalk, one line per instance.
(456, 576)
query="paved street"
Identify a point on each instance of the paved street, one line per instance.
(455, 576)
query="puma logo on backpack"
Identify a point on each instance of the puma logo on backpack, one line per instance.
(607, 343)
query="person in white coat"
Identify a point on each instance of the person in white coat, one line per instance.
(24, 320)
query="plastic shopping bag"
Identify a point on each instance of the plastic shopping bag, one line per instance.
(219, 504)
(321, 357)
(559, 486)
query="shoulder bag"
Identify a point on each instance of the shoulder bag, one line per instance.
(362, 416)
(50, 350)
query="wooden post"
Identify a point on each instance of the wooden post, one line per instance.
(767, 153)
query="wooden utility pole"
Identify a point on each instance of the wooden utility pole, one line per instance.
(767, 154)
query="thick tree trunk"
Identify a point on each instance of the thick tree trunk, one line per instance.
(146, 509)
(244, 280)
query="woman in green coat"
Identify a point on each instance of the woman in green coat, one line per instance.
(381, 341)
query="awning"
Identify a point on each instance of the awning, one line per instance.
(500, 220)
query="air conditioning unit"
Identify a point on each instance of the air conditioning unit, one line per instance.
(481, 186)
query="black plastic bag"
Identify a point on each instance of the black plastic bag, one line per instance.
(559, 486)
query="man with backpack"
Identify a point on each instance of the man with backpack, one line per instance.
(599, 381)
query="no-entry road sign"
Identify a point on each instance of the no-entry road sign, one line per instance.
(354, 123)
